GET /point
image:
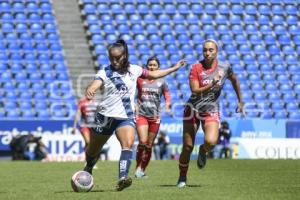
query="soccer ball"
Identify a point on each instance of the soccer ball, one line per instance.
(82, 181)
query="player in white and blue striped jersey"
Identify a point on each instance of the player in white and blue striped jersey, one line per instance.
(115, 113)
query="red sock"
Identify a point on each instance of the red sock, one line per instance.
(139, 154)
(183, 169)
(146, 157)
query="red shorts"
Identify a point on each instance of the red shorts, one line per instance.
(153, 123)
(85, 131)
(194, 117)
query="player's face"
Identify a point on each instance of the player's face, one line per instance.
(152, 65)
(116, 57)
(210, 51)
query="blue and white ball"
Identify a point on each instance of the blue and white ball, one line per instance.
(82, 181)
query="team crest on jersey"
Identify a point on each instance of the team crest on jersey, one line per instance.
(158, 84)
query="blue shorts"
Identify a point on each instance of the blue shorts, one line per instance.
(107, 125)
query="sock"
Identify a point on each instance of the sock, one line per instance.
(183, 169)
(91, 160)
(139, 154)
(125, 162)
(146, 157)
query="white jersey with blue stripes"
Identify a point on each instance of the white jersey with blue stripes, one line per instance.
(118, 91)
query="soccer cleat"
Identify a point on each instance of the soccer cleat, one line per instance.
(140, 174)
(181, 183)
(201, 161)
(123, 183)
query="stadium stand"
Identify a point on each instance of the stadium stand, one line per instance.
(34, 79)
(259, 38)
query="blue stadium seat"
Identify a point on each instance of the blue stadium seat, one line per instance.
(281, 114)
(289, 98)
(179, 28)
(143, 8)
(230, 49)
(291, 60)
(220, 19)
(149, 19)
(249, 19)
(295, 78)
(294, 30)
(280, 30)
(291, 10)
(237, 29)
(183, 8)
(178, 19)
(223, 29)
(157, 9)
(244, 48)
(263, 19)
(223, 9)
(206, 19)
(191, 19)
(277, 10)
(265, 29)
(237, 9)
(294, 115)
(166, 29)
(196, 8)
(235, 19)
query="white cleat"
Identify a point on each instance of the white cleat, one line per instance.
(181, 184)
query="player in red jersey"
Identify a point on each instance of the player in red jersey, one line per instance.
(206, 79)
(148, 114)
(85, 114)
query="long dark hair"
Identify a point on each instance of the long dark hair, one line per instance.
(121, 44)
(153, 58)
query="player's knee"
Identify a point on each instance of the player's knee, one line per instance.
(211, 141)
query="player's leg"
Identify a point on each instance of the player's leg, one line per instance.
(125, 134)
(190, 128)
(211, 133)
(86, 134)
(142, 130)
(153, 130)
(92, 152)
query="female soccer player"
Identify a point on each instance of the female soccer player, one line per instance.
(115, 112)
(148, 115)
(206, 81)
(85, 112)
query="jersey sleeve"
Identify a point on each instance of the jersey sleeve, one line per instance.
(139, 71)
(193, 73)
(100, 75)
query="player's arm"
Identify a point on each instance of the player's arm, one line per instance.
(92, 88)
(236, 86)
(75, 120)
(167, 96)
(164, 72)
(197, 89)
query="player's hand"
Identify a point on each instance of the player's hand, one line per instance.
(240, 108)
(168, 109)
(180, 63)
(216, 79)
(90, 93)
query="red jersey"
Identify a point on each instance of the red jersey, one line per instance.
(149, 96)
(87, 108)
(208, 102)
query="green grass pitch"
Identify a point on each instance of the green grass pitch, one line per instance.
(221, 179)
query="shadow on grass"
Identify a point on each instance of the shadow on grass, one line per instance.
(190, 185)
(70, 191)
